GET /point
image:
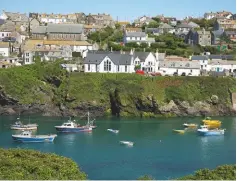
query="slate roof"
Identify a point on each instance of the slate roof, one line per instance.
(59, 28)
(180, 64)
(165, 26)
(117, 59)
(65, 28)
(17, 16)
(194, 25)
(221, 57)
(218, 33)
(141, 55)
(39, 29)
(135, 34)
(183, 26)
(152, 30)
(199, 57)
(2, 21)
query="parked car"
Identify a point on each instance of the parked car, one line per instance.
(175, 74)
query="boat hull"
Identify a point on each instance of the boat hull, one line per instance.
(211, 133)
(72, 130)
(179, 131)
(23, 128)
(34, 139)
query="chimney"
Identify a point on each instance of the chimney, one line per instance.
(131, 52)
(121, 51)
(144, 49)
(111, 49)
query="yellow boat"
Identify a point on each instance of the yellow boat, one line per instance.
(212, 123)
(179, 131)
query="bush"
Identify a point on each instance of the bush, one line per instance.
(19, 164)
(225, 172)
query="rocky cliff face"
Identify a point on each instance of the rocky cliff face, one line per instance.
(135, 105)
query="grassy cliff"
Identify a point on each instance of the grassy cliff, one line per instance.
(47, 83)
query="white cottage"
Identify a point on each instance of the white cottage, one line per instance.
(109, 62)
(147, 60)
(222, 66)
(188, 68)
(203, 61)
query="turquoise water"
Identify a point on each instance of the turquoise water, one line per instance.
(157, 151)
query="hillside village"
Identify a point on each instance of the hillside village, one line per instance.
(160, 45)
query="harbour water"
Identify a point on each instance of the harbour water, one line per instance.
(157, 150)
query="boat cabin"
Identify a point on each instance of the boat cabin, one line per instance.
(26, 133)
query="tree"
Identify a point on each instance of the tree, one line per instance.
(19, 164)
(153, 24)
(117, 26)
(156, 19)
(143, 45)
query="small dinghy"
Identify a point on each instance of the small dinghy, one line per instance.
(190, 125)
(179, 131)
(113, 131)
(26, 136)
(128, 143)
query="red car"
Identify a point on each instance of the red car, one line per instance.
(140, 72)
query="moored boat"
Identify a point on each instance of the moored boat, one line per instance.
(191, 125)
(179, 131)
(113, 131)
(211, 123)
(205, 131)
(73, 127)
(128, 143)
(26, 136)
(19, 126)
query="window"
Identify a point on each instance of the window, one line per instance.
(126, 68)
(27, 54)
(107, 65)
(2, 34)
(27, 60)
(118, 68)
(89, 67)
(191, 70)
(203, 61)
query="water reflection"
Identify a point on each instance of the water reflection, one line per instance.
(207, 144)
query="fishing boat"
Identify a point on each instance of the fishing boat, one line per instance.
(72, 127)
(179, 131)
(211, 123)
(113, 131)
(26, 136)
(191, 125)
(128, 143)
(205, 131)
(20, 126)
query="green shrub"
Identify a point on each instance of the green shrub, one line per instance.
(19, 164)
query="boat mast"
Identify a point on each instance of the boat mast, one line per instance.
(88, 118)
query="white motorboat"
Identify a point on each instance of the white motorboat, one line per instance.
(113, 131)
(128, 143)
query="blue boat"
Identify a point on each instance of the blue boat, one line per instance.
(26, 137)
(73, 127)
(204, 131)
